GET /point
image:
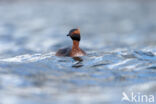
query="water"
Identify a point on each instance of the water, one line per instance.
(119, 37)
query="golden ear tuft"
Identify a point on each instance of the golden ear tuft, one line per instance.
(77, 31)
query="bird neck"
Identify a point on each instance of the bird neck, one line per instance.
(75, 44)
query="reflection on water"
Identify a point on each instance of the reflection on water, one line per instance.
(78, 62)
(118, 36)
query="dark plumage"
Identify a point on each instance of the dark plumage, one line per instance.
(74, 51)
(63, 52)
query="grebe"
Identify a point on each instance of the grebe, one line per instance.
(74, 51)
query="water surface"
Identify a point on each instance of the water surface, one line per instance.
(119, 37)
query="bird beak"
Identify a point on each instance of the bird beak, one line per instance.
(68, 34)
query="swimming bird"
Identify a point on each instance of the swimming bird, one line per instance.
(75, 50)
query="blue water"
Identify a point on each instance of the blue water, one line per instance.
(118, 36)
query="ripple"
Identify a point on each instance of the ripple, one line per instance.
(28, 58)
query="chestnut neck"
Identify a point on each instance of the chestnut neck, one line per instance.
(75, 44)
